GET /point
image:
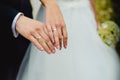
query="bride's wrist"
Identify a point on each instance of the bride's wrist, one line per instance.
(48, 3)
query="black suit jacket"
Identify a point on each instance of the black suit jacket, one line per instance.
(12, 49)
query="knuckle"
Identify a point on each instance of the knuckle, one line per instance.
(47, 40)
(49, 30)
(57, 24)
(30, 33)
(41, 41)
(65, 37)
(63, 25)
(29, 36)
(39, 29)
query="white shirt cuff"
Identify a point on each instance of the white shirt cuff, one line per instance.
(15, 33)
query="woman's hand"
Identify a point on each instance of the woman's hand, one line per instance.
(55, 24)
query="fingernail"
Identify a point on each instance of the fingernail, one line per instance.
(53, 51)
(49, 51)
(65, 46)
(42, 49)
(58, 47)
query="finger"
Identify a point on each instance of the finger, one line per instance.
(46, 31)
(41, 41)
(47, 41)
(65, 37)
(55, 32)
(60, 37)
(49, 29)
(36, 43)
(45, 46)
(50, 45)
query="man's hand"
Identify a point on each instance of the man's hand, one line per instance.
(36, 32)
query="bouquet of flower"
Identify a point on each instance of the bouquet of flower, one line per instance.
(109, 33)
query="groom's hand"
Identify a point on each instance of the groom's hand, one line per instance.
(55, 24)
(36, 32)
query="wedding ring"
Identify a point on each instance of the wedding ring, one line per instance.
(38, 38)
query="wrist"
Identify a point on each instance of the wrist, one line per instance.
(15, 33)
(48, 3)
(19, 22)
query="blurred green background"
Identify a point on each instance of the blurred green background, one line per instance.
(108, 10)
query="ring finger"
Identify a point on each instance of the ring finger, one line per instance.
(60, 36)
(47, 41)
(42, 43)
(55, 32)
(50, 33)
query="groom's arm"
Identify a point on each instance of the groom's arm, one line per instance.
(7, 16)
(30, 29)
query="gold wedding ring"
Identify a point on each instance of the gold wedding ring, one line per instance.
(38, 38)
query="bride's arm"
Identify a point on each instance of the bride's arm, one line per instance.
(55, 23)
(48, 2)
(94, 10)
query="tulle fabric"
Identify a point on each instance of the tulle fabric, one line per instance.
(86, 58)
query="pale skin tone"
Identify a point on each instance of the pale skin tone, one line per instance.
(94, 10)
(42, 35)
(55, 21)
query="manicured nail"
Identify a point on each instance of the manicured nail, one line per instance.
(41, 49)
(65, 45)
(53, 51)
(58, 47)
(49, 51)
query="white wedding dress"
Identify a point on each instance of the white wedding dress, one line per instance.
(86, 57)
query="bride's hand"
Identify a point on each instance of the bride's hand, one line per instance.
(56, 25)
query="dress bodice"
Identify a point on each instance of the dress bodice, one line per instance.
(68, 0)
(72, 3)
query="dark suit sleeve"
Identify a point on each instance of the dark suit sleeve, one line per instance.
(7, 15)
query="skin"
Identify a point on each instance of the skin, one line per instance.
(42, 35)
(56, 21)
(35, 32)
(94, 10)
